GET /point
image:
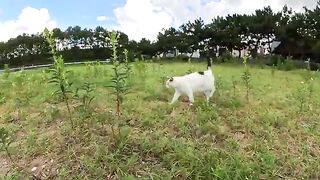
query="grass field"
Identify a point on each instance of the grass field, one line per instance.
(276, 134)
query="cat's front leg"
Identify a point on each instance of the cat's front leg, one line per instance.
(175, 97)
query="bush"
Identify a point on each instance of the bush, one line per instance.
(183, 57)
(314, 66)
(285, 64)
(274, 60)
(227, 57)
(288, 65)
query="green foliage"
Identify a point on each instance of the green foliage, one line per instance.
(97, 66)
(246, 78)
(286, 65)
(227, 57)
(140, 68)
(120, 73)
(5, 141)
(183, 58)
(6, 71)
(206, 113)
(2, 98)
(300, 96)
(85, 95)
(59, 75)
(127, 65)
(89, 68)
(234, 85)
(60, 80)
(304, 94)
(32, 142)
(48, 35)
(20, 85)
(273, 70)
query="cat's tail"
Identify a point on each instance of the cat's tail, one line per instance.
(209, 63)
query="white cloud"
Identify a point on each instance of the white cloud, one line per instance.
(102, 18)
(142, 19)
(30, 21)
(145, 18)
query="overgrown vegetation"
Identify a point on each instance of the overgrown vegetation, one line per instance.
(269, 138)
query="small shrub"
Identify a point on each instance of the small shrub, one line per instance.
(233, 103)
(2, 98)
(287, 65)
(88, 72)
(273, 70)
(5, 141)
(59, 75)
(220, 84)
(206, 113)
(227, 57)
(275, 60)
(120, 74)
(300, 96)
(234, 85)
(97, 67)
(140, 70)
(308, 83)
(51, 113)
(274, 119)
(59, 79)
(183, 57)
(6, 71)
(31, 141)
(127, 65)
(85, 95)
(21, 98)
(246, 78)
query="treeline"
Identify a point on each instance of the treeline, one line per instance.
(299, 34)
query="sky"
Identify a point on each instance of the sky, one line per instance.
(136, 18)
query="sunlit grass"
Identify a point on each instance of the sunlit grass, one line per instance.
(267, 138)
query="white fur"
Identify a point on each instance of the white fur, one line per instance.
(191, 83)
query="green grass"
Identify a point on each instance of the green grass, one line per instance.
(270, 137)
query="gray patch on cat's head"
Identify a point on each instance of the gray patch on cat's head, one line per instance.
(168, 82)
(201, 72)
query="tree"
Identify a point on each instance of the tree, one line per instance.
(260, 29)
(146, 47)
(167, 41)
(192, 37)
(311, 30)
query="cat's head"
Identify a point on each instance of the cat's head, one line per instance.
(169, 82)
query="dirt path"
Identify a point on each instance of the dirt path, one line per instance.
(4, 165)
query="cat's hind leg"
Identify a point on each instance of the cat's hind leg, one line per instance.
(207, 94)
(191, 98)
(212, 91)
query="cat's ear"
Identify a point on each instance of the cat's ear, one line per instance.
(171, 79)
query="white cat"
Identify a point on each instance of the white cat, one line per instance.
(191, 83)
